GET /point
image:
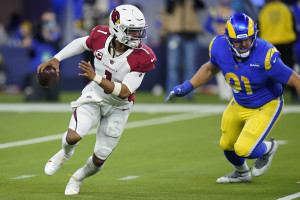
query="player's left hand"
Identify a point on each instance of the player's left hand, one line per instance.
(89, 72)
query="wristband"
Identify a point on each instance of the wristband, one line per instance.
(97, 79)
(117, 89)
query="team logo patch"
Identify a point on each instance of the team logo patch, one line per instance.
(98, 54)
(115, 17)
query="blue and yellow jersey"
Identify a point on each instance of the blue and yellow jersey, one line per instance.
(257, 79)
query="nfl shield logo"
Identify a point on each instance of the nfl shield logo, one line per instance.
(111, 62)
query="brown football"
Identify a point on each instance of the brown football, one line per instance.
(48, 77)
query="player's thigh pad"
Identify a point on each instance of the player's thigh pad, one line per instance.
(231, 126)
(84, 118)
(257, 127)
(109, 132)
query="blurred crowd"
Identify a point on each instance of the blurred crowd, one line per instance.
(183, 25)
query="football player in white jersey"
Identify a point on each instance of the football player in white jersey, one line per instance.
(121, 61)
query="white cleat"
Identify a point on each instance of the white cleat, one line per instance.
(73, 187)
(56, 162)
(236, 177)
(263, 163)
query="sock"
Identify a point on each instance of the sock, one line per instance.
(89, 169)
(234, 159)
(260, 151)
(242, 168)
(68, 149)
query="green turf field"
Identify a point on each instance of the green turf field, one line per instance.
(178, 159)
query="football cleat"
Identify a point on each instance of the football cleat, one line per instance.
(263, 163)
(73, 187)
(236, 177)
(56, 162)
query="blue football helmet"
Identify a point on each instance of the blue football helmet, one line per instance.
(240, 27)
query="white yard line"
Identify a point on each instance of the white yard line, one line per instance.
(192, 111)
(22, 177)
(127, 178)
(136, 124)
(290, 197)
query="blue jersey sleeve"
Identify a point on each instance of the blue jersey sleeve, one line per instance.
(279, 72)
(212, 52)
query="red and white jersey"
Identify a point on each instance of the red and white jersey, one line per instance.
(131, 65)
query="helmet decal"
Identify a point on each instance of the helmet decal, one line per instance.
(231, 32)
(115, 16)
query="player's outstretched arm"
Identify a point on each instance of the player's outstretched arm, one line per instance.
(75, 47)
(204, 74)
(180, 90)
(294, 81)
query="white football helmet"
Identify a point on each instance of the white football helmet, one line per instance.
(127, 23)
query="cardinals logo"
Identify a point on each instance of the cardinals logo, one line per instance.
(115, 16)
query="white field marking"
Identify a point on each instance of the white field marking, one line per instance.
(24, 176)
(127, 178)
(136, 124)
(290, 197)
(149, 108)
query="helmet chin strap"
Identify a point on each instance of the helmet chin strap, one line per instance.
(242, 55)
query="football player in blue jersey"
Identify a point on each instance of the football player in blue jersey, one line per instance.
(254, 70)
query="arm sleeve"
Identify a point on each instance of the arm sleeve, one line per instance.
(133, 80)
(76, 47)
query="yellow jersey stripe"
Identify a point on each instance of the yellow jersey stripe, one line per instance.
(211, 45)
(268, 58)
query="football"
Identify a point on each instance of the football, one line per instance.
(48, 77)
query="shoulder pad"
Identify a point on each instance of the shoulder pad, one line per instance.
(269, 56)
(100, 31)
(142, 60)
(211, 45)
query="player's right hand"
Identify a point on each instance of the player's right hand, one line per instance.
(52, 62)
(180, 90)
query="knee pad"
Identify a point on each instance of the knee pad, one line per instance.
(115, 127)
(226, 145)
(103, 152)
(241, 150)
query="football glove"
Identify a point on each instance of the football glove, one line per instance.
(180, 90)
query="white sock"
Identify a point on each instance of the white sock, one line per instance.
(68, 149)
(89, 169)
(269, 145)
(242, 168)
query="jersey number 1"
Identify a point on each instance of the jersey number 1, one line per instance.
(108, 77)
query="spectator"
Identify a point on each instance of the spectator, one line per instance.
(277, 26)
(3, 35)
(23, 35)
(43, 47)
(249, 7)
(215, 24)
(181, 26)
